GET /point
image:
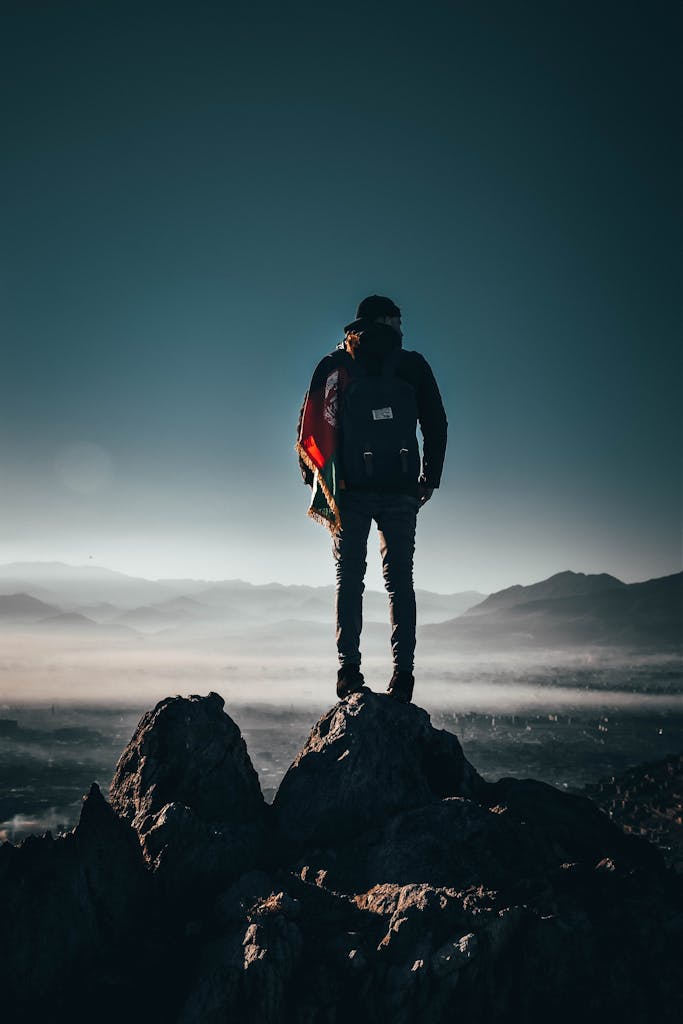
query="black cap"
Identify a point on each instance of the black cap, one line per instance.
(375, 306)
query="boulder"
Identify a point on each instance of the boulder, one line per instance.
(188, 751)
(566, 826)
(186, 784)
(460, 842)
(451, 842)
(369, 758)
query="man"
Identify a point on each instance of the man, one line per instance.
(358, 451)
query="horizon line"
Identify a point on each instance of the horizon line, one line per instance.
(275, 582)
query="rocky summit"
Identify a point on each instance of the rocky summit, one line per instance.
(387, 882)
(187, 786)
(325, 797)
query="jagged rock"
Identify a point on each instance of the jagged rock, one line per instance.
(418, 952)
(70, 906)
(485, 891)
(421, 892)
(187, 750)
(187, 785)
(273, 944)
(369, 758)
(459, 842)
(475, 955)
(293, 955)
(565, 826)
(454, 842)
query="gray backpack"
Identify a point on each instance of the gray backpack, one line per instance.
(378, 429)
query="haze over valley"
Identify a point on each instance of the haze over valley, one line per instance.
(567, 680)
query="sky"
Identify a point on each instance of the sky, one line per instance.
(195, 197)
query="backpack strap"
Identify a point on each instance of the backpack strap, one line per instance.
(356, 367)
(391, 362)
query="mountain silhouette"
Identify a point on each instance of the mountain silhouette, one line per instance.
(24, 607)
(572, 609)
(102, 593)
(562, 584)
(568, 609)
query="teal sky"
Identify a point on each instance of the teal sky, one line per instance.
(194, 197)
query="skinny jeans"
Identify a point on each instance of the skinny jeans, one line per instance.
(395, 515)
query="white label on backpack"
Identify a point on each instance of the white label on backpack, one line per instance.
(383, 414)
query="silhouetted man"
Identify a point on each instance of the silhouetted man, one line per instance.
(358, 450)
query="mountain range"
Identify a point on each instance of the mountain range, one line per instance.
(568, 609)
(31, 592)
(571, 609)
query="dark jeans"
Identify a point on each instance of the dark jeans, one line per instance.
(395, 515)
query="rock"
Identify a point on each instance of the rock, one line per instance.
(187, 751)
(294, 952)
(70, 909)
(454, 842)
(369, 758)
(273, 944)
(458, 842)
(566, 826)
(187, 785)
(402, 887)
(232, 906)
(447, 954)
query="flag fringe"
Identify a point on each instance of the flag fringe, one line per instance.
(333, 527)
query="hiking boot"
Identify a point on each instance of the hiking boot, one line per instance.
(401, 686)
(349, 680)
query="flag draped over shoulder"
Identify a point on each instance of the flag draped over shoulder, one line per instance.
(319, 442)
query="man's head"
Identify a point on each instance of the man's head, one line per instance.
(380, 309)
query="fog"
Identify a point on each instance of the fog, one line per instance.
(69, 703)
(294, 664)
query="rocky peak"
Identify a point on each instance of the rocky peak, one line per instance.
(187, 750)
(367, 759)
(187, 785)
(389, 881)
(69, 906)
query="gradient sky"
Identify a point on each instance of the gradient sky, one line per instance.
(195, 197)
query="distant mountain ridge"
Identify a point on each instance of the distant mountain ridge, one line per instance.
(564, 610)
(25, 606)
(73, 586)
(569, 609)
(153, 606)
(561, 585)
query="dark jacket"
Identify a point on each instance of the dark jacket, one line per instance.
(371, 342)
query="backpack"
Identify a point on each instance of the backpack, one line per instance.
(378, 429)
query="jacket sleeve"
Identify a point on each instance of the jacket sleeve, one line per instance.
(433, 423)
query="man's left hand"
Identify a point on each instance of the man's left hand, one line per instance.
(424, 493)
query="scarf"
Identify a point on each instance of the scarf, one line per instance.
(319, 442)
